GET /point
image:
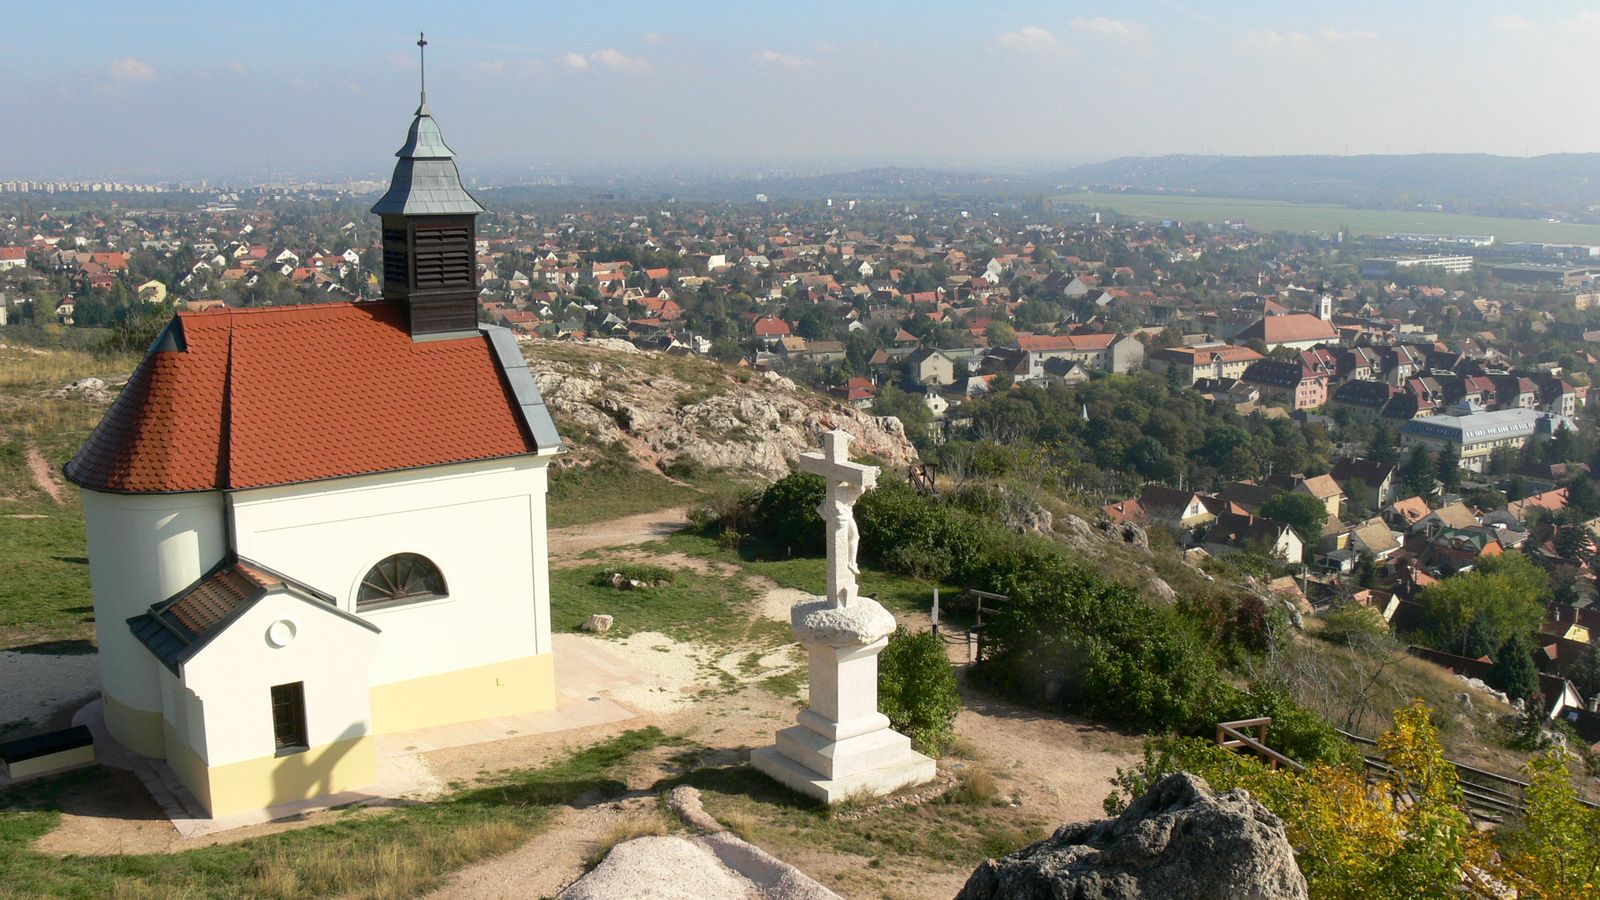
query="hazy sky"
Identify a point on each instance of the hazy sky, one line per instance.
(201, 90)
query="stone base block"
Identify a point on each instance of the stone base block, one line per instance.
(894, 771)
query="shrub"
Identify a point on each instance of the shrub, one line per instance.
(1084, 643)
(1354, 625)
(917, 689)
(785, 514)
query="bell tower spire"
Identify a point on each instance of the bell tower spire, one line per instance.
(422, 57)
(430, 232)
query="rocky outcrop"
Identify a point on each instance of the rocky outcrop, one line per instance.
(673, 410)
(1177, 842)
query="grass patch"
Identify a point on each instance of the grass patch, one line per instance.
(636, 826)
(787, 684)
(898, 593)
(956, 834)
(691, 607)
(611, 489)
(366, 853)
(44, 574)
(44, 570)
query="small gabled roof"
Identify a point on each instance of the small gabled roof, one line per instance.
(180, 626)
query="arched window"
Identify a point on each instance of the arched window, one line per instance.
(402, 578)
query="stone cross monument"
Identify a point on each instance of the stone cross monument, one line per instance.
(842, 746)
(847, 481)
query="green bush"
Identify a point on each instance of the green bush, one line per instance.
(1084, 643)
(917, 689)
(785, 514)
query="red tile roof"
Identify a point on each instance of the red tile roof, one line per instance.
(234, 398)
(1046, 343)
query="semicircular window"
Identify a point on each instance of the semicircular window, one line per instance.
(401, 578)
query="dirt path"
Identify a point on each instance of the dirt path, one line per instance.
(553, 859)
(1057, 766)
(650, 526)
(43, 475)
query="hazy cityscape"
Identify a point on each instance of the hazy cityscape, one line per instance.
(895, 451)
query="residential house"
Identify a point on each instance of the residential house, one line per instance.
(1177, 509)
(1232, 533)
(1204, 361)
(1287, 383)
(1118, 353)
(1367, 483)
(930, 365)
(1451, 516)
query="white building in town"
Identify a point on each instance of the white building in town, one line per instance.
(1476, 434)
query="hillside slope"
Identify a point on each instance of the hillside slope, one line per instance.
(672, 412)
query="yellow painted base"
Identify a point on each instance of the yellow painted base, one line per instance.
(137, 729)
(508, 688)
(257, 784)
(52, 762)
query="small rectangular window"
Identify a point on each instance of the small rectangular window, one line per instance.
(289, 717)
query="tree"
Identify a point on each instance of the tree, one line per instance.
(1001, 334)
(1557, 852)
(1302, 512)
(1419, 475)
(1383, 448)
(1477, 613)
(917, 688)
(1448, 463)
(1513, 670)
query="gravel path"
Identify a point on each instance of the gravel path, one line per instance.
(40, 685)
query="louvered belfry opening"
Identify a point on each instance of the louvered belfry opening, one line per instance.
(430, 236)
(428, 264)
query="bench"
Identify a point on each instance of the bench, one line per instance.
(42, 754)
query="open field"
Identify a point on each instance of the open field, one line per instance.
(1281, 215)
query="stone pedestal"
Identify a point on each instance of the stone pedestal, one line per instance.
(843, 746)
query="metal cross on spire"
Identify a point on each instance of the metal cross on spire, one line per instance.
(422, 55)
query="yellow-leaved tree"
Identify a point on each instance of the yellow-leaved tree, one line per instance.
(1557, 852)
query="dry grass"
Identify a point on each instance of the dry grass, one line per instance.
(650, 824)
(394, 870)
(976, 787)
(741, 823)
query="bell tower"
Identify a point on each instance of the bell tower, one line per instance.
(430, 233)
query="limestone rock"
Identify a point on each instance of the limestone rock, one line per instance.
(1129, 533)
(693, 412)
(1158, 590)
(862, 622)
(1177, 842)
(1077, 532)
(599, 623)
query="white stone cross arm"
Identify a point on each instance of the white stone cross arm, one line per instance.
(847, 481)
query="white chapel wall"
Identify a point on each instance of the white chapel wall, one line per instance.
(482, 523)
(233, 676)
(144, 548)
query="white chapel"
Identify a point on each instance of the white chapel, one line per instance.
(310, 525)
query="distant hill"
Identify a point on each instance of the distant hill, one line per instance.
(1565, 186)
